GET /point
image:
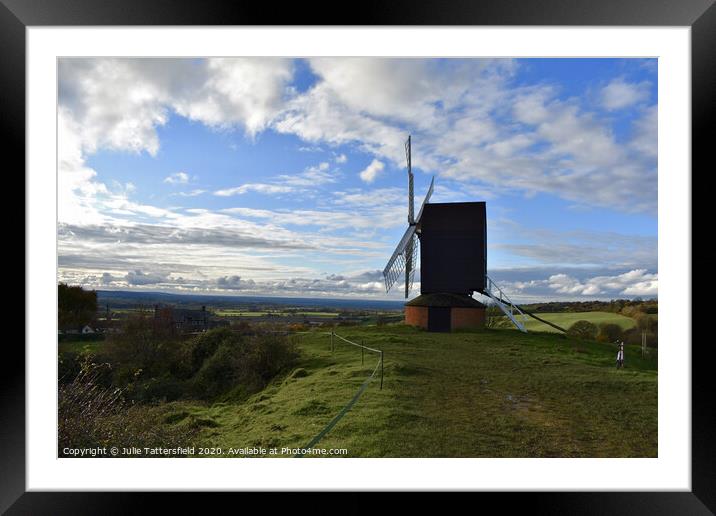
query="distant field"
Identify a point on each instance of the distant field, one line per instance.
(567, 319)
(488, 393)
(247, 313)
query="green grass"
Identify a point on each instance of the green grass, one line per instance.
(491, 393)
(72, 346)
(567, 319)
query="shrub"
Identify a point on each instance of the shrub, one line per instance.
(69, 366)
(241, 327)
(240, 363)
(164, 388)
(609, 332)
(90, 415)
(218, 373)
(162, 367)
(140, 347)
(583, 330)
(206, 345)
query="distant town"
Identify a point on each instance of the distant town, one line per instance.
(187, 314)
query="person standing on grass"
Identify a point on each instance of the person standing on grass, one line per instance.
(620, 356)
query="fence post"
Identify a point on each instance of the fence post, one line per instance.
(381, 370)
(362, 362)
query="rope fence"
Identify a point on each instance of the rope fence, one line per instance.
(356, 396)
(361, 389)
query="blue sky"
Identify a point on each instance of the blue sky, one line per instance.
(287, 177)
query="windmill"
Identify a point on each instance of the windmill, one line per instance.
(452, 241)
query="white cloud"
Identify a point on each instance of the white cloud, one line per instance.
(191, 193)
(619, 94)
(118, 103)
(457, 110)
(645, 137)
(532, 285)
(371, 171)
(310, 178)
(253, 187)
(242, 91)
(643, 288)
(462, 116)
(341, 158)
(371, 218)
(180, 178)
(635, 282)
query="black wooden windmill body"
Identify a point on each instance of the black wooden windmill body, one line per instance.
(452, 239)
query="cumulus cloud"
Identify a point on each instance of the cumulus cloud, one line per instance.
(635, 282)
(107, 278)
(180, 178)
(120, 102)
(619, 94)
(371, 171)
(462, 115)
(564, 284)
(234, 283)
(540, 284)
(141, 278)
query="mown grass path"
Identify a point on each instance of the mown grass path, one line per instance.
(492, 393)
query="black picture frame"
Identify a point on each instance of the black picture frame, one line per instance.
(700, 15)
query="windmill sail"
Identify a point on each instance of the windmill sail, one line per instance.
(411, 202)
(409, 264)
(405, 256)
(427, 198)
(406, 252)
(397, 262)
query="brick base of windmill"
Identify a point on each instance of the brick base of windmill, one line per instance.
(445, 312)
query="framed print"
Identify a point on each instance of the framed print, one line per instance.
(232, 270)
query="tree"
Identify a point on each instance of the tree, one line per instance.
(583, 330)
(609, 332)
(75, 306)
(646, 323)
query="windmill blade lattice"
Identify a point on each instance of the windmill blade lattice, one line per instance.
(396, 265)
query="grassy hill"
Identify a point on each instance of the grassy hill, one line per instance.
(567, 319)
(491, 393)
